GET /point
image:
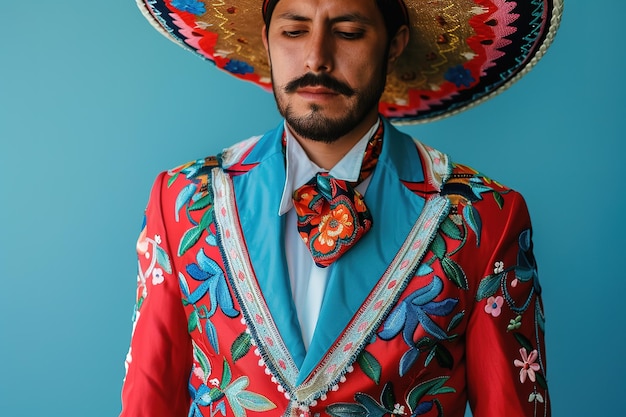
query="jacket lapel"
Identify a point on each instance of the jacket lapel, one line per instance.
(395, 210)
(262, 229)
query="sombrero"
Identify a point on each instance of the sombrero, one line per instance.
(461, 52)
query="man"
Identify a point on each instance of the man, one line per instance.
(334, 266)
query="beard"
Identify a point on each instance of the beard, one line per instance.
(318, 127)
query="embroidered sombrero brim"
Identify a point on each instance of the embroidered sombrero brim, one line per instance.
(461, 52)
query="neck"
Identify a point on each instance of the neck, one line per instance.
(327, 154)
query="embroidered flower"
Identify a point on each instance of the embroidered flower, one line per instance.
(157, 239)
(514, 324)
(457, 219)
(215, 382)
(498, 267)
(460, 76)
(142, 242)
(398, 409)
(338, 224)
(494, 306)
(527, 364)
(359, 204)
(238, 67)
(191, 6)
(197, 371)
(514, 283)
(157, 276)
(535, 397)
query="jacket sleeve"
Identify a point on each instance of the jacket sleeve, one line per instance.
(159, 359)
(506, 361)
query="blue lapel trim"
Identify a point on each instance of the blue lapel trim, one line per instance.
(394, 209)
(258, 194)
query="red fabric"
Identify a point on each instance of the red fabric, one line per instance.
(480, 359)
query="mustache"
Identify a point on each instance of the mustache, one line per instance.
(324, 80)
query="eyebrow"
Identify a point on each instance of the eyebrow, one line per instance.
(349, 17)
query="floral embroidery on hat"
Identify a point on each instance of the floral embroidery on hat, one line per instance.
(191, 6)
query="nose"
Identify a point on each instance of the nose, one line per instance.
(319, 57)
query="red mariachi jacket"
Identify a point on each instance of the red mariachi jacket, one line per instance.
(439, 304)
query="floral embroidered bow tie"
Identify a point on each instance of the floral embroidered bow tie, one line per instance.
(332, 215)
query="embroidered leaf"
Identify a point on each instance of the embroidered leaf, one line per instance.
(541, 380)
(373, 408)
(224, 299)
(524, 342)
(183, 284)
(346, 410)
(226, 375)
(202, 359)
(192, 323)
(254, 402)
(423, 408)
(450, 229)
(478, 189)
(499, 200)
(202, 203)
(238, 410)
(241, 346)
(456, 320)
(412, 320)
(488, 286)
(445, 360)
(210, 239)
(183, 198)
(438, 247)
(221, 407)
(439, 407)
(189, 239)
(196, 273)
(394, 323)
(472, 217)
(424, 343)
(428, 292)
(408, 359)
(430, 326)
(232, 391)
(440, 308)
(454, 273)
(207, 264)
(163, 260)
(211, 334)
(387, 398)
(423, 389)
(198, 293)
(424, 269)
(206, 220)
(370, 366)
(171, 180)
(430, 356)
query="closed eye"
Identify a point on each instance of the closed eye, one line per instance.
(293, 33)
(350, 35)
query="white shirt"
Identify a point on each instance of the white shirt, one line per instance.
(308, 281)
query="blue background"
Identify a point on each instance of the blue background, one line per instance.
(94, 103)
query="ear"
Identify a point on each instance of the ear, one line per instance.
(397, 45)
(265, 41)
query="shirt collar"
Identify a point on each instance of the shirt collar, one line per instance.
(300, 169)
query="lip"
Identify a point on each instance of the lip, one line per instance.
(316, 93)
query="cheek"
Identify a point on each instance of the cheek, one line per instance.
(284, 67)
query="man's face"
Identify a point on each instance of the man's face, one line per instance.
(328, 60)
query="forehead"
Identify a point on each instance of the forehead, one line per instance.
(365, 11)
